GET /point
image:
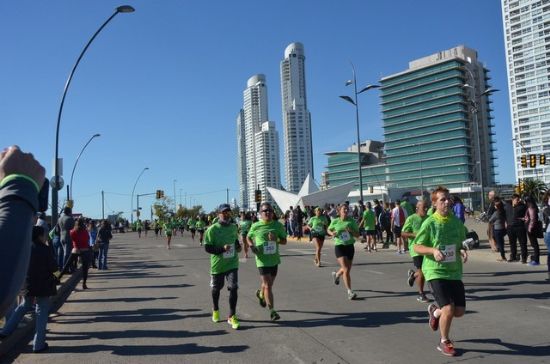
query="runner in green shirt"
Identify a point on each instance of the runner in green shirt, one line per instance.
(139, 227)
(264, 239)
(191, 225)
(343, 229)
(200, 225)
(318, 225)
(167, 227)
(244, 226)
(410, 229)
(368, 223)
(222, 243)
(440, 242)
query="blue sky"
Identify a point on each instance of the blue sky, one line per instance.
(163, 85)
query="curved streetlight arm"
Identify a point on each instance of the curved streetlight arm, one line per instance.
(55, 189)
(132, 198)
(76, 162)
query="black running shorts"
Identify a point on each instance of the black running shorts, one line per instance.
(417, 261)
(448, 292)
(347, 251)
(272, 271)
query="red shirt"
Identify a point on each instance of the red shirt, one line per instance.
(80, 238)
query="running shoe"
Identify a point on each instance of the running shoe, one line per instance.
(433, 321)
(274, 315)
(410, 277)
(261, 300)
(234, 322)
(447, 348)
(352, 295)
(216, 316)
(422, 298)
(335, 278)
(534, 263)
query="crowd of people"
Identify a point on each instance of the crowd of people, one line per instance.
(434, 235)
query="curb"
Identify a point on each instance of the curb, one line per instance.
(21, 335)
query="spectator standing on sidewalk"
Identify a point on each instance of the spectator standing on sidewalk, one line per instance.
(533, 228)
(515, 224)
(41, 284)
(498, 220)
(66, 224)
(490, 210)
(546, 220)
(104, 236)
(81, 248)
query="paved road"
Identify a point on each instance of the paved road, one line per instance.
(153, 305)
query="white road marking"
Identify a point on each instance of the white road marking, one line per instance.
(374, 271)
(544, 307)
(181, 245)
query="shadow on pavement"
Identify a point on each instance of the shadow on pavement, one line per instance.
(142, 350)
(127, 299)
(131, 334)
(140, 315)
(509, 348)
(356, 319)
(182, 285)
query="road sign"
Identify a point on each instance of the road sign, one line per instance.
(60, 183)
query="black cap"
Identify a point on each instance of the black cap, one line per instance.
(224, 207)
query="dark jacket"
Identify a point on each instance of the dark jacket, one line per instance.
(40, 279)
(104, 235)
(515, 214)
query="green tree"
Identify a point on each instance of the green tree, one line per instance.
(535, 188)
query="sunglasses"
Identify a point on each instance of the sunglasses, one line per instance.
(266, 211)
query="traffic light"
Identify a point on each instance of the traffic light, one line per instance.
(542, 159)
(161, 193)
(258, 195)
(158, 194)
(521, 187)
(523, 161)
(533, 161)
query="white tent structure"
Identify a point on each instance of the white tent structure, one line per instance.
(310, 195)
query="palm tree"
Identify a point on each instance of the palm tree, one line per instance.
(534, 188)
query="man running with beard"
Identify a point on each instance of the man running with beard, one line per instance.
(410, 229)
(222, 243)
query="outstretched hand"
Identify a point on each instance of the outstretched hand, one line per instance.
(14, 161)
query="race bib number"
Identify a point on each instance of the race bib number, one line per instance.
(345, 236)
(270, 247)
(230, 253)
(449, 253)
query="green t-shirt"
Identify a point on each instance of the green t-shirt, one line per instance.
(268, 251)
(369, 221)
(339, 226)
(191, 223)
(318, 224)
(167, 226)
(412, 225)
(138, 225)
(219, 235)
(446, 234)
(245, 226)
(200, 225)
(409, 209)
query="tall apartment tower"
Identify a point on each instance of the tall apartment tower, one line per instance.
(437, 124)
(258, 148)
(526, 33)
(296, 118)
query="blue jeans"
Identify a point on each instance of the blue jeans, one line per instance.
(103, 250)
(67, 248)
(547, 242)
(59, 252)
(42, 310)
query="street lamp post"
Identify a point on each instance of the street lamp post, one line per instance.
(356, 104)
(474, 106)
(70, 186)
(132, 198)
(175, 201)
(56, 182)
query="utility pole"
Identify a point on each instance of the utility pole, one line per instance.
(102, 205)
(227, 195)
